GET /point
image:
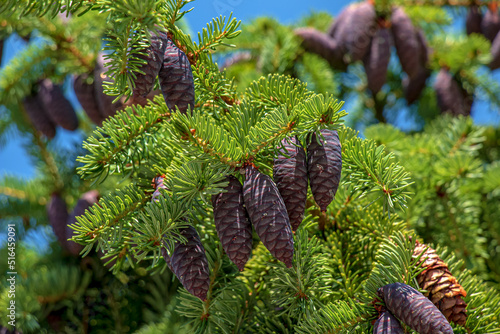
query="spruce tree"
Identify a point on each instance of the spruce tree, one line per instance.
(404, 209)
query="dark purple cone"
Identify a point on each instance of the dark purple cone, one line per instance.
(450, 96)
(290, 176)
(85, 93)
(86, 201)
(189, 263)
(176, 79)
(323, 45)
(387, 324)
(267, 212)
(414, 309)
(405, 41)
(495, 53)
(144, 83)
(57, 213)
(490, 25)
(344, 16)
(58, 108)
(232, 223)
(377, 59)
(413, 87)
(158, 184)
(324, 165)
(38, 117)
(355, 33)
(473, 20)
(104, 102)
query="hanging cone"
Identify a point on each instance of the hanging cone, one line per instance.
(104, 102)
(189, 263)
(443, 288)
(86, 201)
(324, 165)
(85, 93)
(414, 309)
(323, 45)
(451, 97)
(377, 59)
(290, 176)
(232, 223)
(387, 324)
(355, 33)
(405, 41)
(267, 212)
(414, 86)
(57, 213)
(473, 20)
(144, 83)
(490, 25)
(176, 79)
(39, 118)
(495, 53)
(58, 108)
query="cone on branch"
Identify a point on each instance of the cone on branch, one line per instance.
(443, 288)
(377, 60)
(473, 20)
(176, 79)
(340, 20)
(86, 201)
(323, 45)
(413, 86)
(355, 32)
(324, 166)
(405, 41)
(153, 55)
(387, 324)
(189, 263)
(41, 121)
(85, 93)
(57, 212)
(232, 223)
(451, 97)
(290, 176)
(57, 107)
(268, 214)
(414, 309)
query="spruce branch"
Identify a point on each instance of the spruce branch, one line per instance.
(118, 146)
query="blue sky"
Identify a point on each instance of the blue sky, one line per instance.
(12, 157)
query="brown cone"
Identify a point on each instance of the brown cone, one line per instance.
(85, 202)
(57, 107)
(444, 290)
(406, 42)
(104, 102)
(490, 25)
(473, 20)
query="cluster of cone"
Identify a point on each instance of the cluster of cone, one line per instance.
(47, 107)
(173, 69)
(275, 208)
(60, 220)
(412, 308)
(360, 34)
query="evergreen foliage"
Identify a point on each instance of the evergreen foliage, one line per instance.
(440, 185)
